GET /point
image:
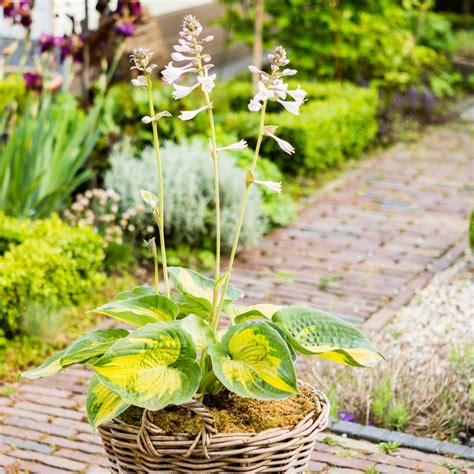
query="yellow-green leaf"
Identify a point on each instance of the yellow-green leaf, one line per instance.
(152, 367)
(199, 330)
(254, 361)
(49, 367)
(102, 404)
(315, 332)
(239, 313)
(199, 288)
(140, 310)
(91, 345)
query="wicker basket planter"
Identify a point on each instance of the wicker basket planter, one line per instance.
(147, 449)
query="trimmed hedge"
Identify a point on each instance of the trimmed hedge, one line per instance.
(336, 124)
(44, 261)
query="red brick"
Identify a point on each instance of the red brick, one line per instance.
(90, 459)
(340, 461)
(408, 463)
(49, 460)
(48, 410)
(42, 427)
(71, 444)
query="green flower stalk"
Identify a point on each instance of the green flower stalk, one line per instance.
(141, 58)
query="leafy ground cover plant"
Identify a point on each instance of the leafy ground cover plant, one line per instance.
(177, 352)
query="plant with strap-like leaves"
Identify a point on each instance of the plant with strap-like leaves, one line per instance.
(176, 352)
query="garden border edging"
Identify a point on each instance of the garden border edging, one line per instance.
(374, 434)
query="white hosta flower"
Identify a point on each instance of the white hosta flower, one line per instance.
(241, 145)
(207, 39)
(271, 185)
(171, 73)
(298, 94)
(207, 82)
(183, 48)
(180, 57)
(140, 81)
(264, 93)
(289, 72)
(254, 105)
(183, 91)
(190, 114)
(292, 107)
(287, 147)
(147, 119)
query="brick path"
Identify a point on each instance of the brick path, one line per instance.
(361, 247)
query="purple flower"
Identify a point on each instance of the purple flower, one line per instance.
(33, 80)
(136, 8)
(9, 10)
(346, 416)
(48, 42)
(126, 29)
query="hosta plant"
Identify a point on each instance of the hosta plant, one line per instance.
(174, 347)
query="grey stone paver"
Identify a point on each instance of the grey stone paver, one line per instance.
(361, 247)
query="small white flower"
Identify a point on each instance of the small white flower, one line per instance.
(207, 39)
(149, 198)
(298, 94)
(271, 185)
(140, 81)
(241, 145)
(148, 119)
(180, 57)
(255, 70)
(293, 107)
(190, 114)
(289, 72)
(183, 48)
(264, 93)
(287, 147)
(207, 82)
(254, 105)
(170, 73)
(183, 91)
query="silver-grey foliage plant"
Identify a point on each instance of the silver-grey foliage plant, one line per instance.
(188, 185)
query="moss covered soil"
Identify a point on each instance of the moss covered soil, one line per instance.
(232, 414)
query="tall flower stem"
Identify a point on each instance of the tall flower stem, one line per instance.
(243, 205)
(160, 220)
(215, 297)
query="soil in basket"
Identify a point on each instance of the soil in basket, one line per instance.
(232, 414)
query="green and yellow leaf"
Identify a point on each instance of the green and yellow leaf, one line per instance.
(102, 404)
(49, 367)
(254, 361)
(199, 288)
(140, 310)
(134, 293)
(240, 313)
(199, 330)
(315, 332)
(91, 345)
(152, 367)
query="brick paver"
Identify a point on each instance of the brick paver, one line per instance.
(361, 247)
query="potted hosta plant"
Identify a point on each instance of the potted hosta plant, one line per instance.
(195, 381)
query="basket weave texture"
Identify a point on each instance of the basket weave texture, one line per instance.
(148, 449)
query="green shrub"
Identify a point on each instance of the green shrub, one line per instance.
(12, 90)
(44, 261)
(336, 124)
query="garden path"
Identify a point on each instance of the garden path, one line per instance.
(361, 247)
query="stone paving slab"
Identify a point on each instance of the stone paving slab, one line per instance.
(361, 248)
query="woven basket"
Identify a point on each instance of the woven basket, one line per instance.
(146, 449)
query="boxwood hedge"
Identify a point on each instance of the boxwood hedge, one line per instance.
(44, 261)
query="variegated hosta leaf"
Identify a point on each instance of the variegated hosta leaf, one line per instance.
(199, 288)
(102, 404)
(52, 365)
(139, 310)
(152, 367)
(254, 361)
(134, 293)
(91, 345)
(83, 350)
(239, 313)
(190, 306)
(199, 330)
(315, 332)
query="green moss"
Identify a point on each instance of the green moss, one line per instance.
(232, 414)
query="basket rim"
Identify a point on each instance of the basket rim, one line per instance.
(246, 436)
